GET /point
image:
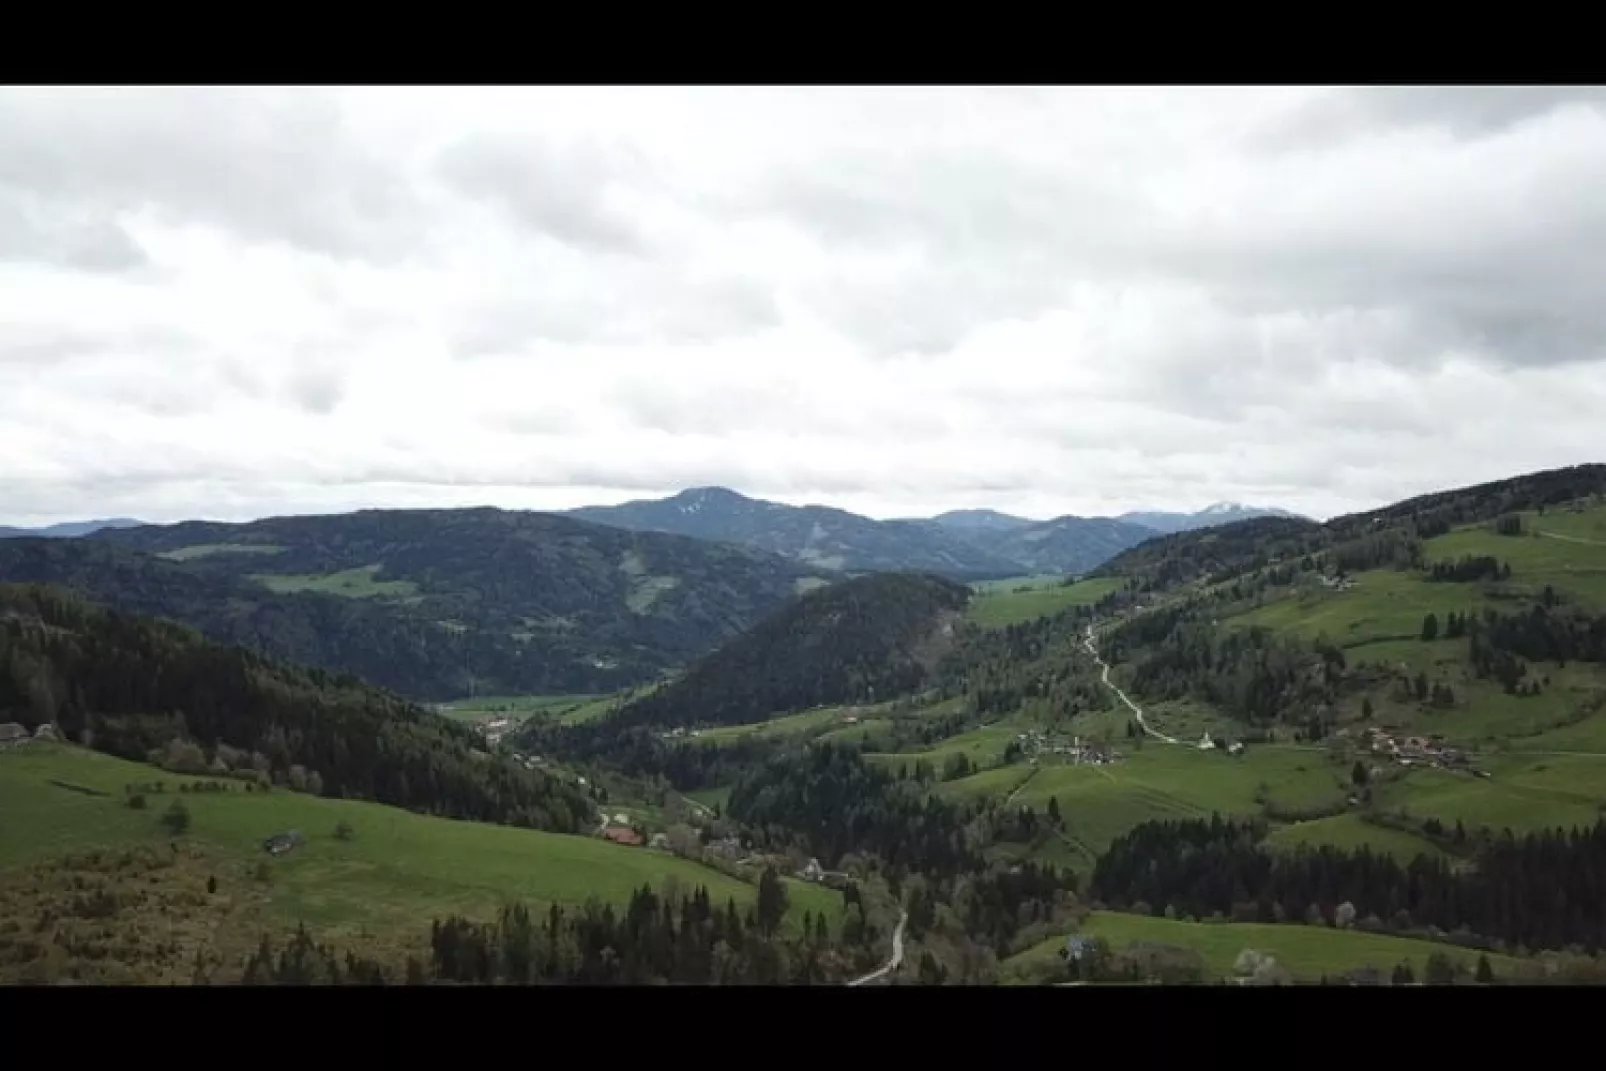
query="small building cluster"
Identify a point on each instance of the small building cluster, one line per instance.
(529, 762)
(1417, 750)
(1036, 744)
(494, 729)
(1336, 583)
(1209, 743)
(679, 732)
(813, 871)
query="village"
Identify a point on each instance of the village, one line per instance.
(1036, 745)
(1410, 751)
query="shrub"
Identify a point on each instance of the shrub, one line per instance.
(343, 830)
(177, 818)
(137, 801)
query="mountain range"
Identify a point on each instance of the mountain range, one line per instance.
(437, 604)
(1209, 517)
(975, 544)
(68, 529)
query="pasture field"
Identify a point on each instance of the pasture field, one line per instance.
(984, 747)
(518, 706)
(786, 725)
(1011, 583)
(1011, 602)
(711, 797)
(1348, 833)
(1525, 794)
(1162, 782)
(206, 550)
(1575, 566)
(1383, 605)
(358, 583)
(398, 870)
(1307, 952)
(998, 781)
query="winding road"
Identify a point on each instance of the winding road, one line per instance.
(1137, 711)
(897, 955)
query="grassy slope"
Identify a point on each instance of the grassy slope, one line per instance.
(356, 583)
(1307, 951)
(997, 605)
(1160, 782)
(399, 871)
(1548, 769)
(516, 706)
(1348, 832)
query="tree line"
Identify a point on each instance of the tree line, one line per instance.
(1538, 891)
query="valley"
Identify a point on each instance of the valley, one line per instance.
(945, 780)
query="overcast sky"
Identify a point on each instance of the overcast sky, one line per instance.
(236, 303)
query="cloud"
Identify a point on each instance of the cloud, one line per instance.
(243, 302)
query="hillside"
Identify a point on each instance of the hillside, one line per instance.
(872, 636)
(138, 688)
(1237, 548)
(436, 603)
(111, 897)
(815, 535)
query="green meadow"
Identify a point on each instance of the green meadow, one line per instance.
(1011, 602)
(206, 550)
(398, 870)
(358, 583)
(1307, 952)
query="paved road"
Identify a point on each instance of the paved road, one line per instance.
(897, 954)
(1137, 711)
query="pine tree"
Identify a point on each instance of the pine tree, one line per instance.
(1485, 972)
(772, 902)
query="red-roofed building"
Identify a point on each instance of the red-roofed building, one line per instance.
(623, 835)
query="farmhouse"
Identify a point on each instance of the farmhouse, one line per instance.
(623, 835)
(12, 734)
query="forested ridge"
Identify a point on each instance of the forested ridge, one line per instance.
(501, 602)
(871, 637)
(1225, 553)
(140, 689)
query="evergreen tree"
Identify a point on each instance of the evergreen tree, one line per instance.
(1430, 627)
(772, 902)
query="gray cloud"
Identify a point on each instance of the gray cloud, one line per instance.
(1044, 300)
(1462, 111)
(275, 166)
(92, 242)
(561, 191)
